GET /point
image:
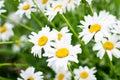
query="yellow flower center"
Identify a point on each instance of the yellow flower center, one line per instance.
(26, 7)
(69, 1)
(3, 29)
(59, 36)
(57, 7)
(44, 1)
(84, 75)
(95, 28)
(62, 52)
(42, 40)
(30, 78)
(61, 76)
(108, 45)
(18, 43)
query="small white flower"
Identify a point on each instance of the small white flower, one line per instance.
(63, 34)
(41, 40)
(18, 45)
(26, 8)
(84, 73)
(61, 53)
(71, 4)
(62, 75)
(30, 74)
(6, 31)
(57, 6)
(43, 4)
(2, 5)
(96, 26)
(109, 46)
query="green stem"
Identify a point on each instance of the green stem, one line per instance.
(10, 42)
(12, 64)
(92, 13)
(71, 72)
(23, 25)
(75, 34)
(43, 14)
(36, 19)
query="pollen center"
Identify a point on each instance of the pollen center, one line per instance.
(95, 28)
(59, 36)
(3, 29)
(30, 78)
(42, 40)
(108, 45)
(61, 76)
(62, 52)
(44, 1)
(69, 1)
(57, 7)
(26, 7)
(84, 75)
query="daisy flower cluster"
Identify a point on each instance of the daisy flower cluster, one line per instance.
(56, 45)
(61, 48)
(103, 29)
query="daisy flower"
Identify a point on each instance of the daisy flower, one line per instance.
(61, 54)
(41, 40)
(84, 73)
(18, 45)
(26, 8)
(6, 31)
(109, 46)
(96, 26)
(62, 75)
(71, 4)
(43, 4)
(57, 6)
(30, 74)
(2, 5)
(63, 34)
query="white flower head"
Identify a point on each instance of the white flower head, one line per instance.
(41, 40)
(6, 31)
(20, 44)
(84, 73)
(63, 34)
(61, 54)
(57, 6)
(2, 5)
(30, 74)
(109, 46)
(62, 75)
(43, 4)
(26, 8)
(96, 26)
(71, 4)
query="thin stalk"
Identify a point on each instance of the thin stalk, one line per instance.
(43, 14)
(9, 42)
(12, 64)
(71, 72)
(23, 25)
(92, 13)
(36, 19)
(75, 34)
